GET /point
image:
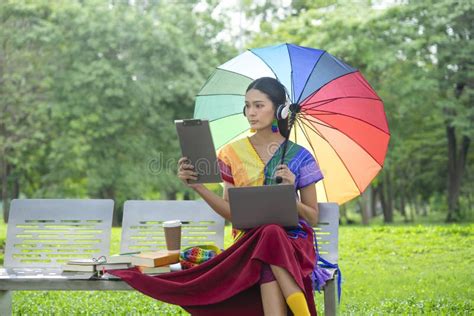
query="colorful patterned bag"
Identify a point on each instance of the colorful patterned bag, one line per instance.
(196, 255)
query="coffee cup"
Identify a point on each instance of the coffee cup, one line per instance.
(172, 235)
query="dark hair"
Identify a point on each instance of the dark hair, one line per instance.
(276, 92)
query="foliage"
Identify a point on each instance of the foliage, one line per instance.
(91, 91)
(416, 55)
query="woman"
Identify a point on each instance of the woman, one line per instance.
(267, 268)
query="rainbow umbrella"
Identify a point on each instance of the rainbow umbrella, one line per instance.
(342, 120)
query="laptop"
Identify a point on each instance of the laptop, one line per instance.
(260, 205)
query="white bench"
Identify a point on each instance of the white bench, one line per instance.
(44, 233)
(327, 233)
(31, 220)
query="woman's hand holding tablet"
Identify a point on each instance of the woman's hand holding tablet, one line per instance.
(186, 172)
(199, 155)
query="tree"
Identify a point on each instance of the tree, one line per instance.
(437, 40)
(116, 77)
(415, 55)
(24, 94)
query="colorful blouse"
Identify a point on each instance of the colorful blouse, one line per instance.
(241, 166)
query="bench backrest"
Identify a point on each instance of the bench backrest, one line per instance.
(327, 231)
(49, 232)
(142, 224)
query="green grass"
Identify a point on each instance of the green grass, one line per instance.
(407, 270)
(415, 269)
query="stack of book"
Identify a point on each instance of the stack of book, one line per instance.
(155, 262)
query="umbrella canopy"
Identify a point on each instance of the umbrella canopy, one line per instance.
(342, 120)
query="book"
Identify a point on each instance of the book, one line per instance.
(83, 265)
(78, 268)
(154, 270)
(155, 258)
(83, 262)
(113, 266)
(121, 258)
(78, 275)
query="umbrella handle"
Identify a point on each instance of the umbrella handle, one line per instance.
(294, 109)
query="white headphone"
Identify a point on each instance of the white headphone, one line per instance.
(283, 111)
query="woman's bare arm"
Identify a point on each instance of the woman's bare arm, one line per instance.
(308, 206)
(219, 204)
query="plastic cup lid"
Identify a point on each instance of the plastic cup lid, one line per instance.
(173, 223)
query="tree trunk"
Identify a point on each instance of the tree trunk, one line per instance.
(385, 197)
(415, 203)
(16, 188)
(420, 210)
(470, 204)
(3, 154)
(171, 195)
(5, 200)
(109, 193)
(424, 209)
(187, 196)
(373, 201)
(343, 213)
(456, 169)
(365, 205)
(403, 210)
(412, 213)
(360, 203)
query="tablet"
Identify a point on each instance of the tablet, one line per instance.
(196, 143)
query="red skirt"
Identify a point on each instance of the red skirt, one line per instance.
(229, 283)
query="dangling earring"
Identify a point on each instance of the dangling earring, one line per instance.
(252, 130)
(275, 126)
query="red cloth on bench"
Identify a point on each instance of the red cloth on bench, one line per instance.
(229, 283)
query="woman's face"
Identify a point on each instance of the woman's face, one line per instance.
(259, 109)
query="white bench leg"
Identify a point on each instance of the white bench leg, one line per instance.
(330, 298)
(5, 302)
